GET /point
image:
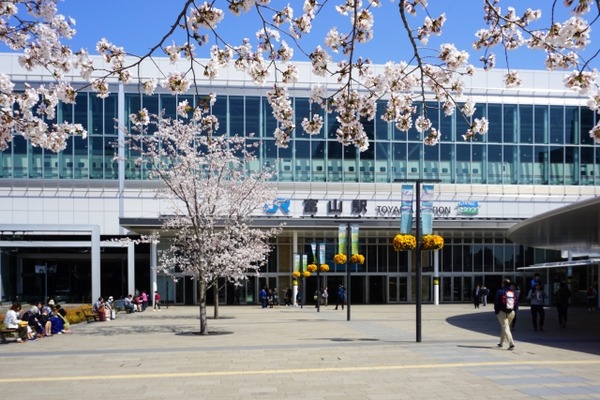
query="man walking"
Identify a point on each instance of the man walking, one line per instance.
(341, 296)
(505, 307)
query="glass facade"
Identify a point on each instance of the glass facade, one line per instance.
(526, 145)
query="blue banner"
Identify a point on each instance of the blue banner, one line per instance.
(427, 209)
(406, 209)
(322, 253)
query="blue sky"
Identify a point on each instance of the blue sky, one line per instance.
(139, 24)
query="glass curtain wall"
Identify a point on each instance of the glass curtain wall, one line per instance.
(526, 144)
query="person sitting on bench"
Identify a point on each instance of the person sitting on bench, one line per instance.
(12, 321)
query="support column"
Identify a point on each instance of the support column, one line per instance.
(96, 290)
(121, 152)
(153, 266)
(130, 268)
(294, 252)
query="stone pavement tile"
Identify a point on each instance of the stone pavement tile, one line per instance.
(297, 353)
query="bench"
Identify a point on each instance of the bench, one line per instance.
(90, 315)
(7, 332)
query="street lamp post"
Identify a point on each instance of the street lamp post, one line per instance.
(419, 275)
(419, 272)
(348, 274)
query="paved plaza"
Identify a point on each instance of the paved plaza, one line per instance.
(297, 353)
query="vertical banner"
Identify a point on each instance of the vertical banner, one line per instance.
(406, 209)
(427, 209)
(313, 248)
(342, 239)
(322, 253)
(354, 230)
(296, 262)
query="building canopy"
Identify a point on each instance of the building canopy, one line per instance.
(574, 228)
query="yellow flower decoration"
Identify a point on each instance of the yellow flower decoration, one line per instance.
(306, 274)
(296, 274)
(357, 259)
(311, 267)
(403, 242)
(324, 268)
(432, 242)
(340, 259)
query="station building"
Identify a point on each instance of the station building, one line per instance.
(60, 213)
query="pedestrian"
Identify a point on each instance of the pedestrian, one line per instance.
(270, 298)
(537, 299)
(144, 300)
(316, 298)
(476, 295)
(561, 299)
(505, 307)
(591, 298)
(156, 300)
(341, 296)
(484, 295)
(517, 291)
(535, 280)
(325, 296)
(263, 297)
(289, 297)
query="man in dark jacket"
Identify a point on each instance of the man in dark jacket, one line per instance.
(505, 307)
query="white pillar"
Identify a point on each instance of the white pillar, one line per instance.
(130, 268)
(294, 252)
(436, 277)
(153, 266)
(121, 151)
(96, 291)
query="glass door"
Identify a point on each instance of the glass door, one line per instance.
(397, 289)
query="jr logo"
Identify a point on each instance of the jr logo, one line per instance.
(279, 203)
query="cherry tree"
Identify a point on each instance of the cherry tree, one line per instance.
(211, 197)
(35, 28)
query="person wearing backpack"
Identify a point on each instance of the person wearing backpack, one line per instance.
(505, 307)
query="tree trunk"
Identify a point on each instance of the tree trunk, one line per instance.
(202, 298)
(216, 300)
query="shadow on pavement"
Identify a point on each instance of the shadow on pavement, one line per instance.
(582, 332)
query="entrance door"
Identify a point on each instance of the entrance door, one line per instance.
(377, 290)
(397, 289)
(172, 292)
(451, 288)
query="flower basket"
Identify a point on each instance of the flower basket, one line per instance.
(296, 274)
(432, 242)
(340, 259)
(311, 267)
(324, 268)
(403, 242)
(357, 259)
(306, 274)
